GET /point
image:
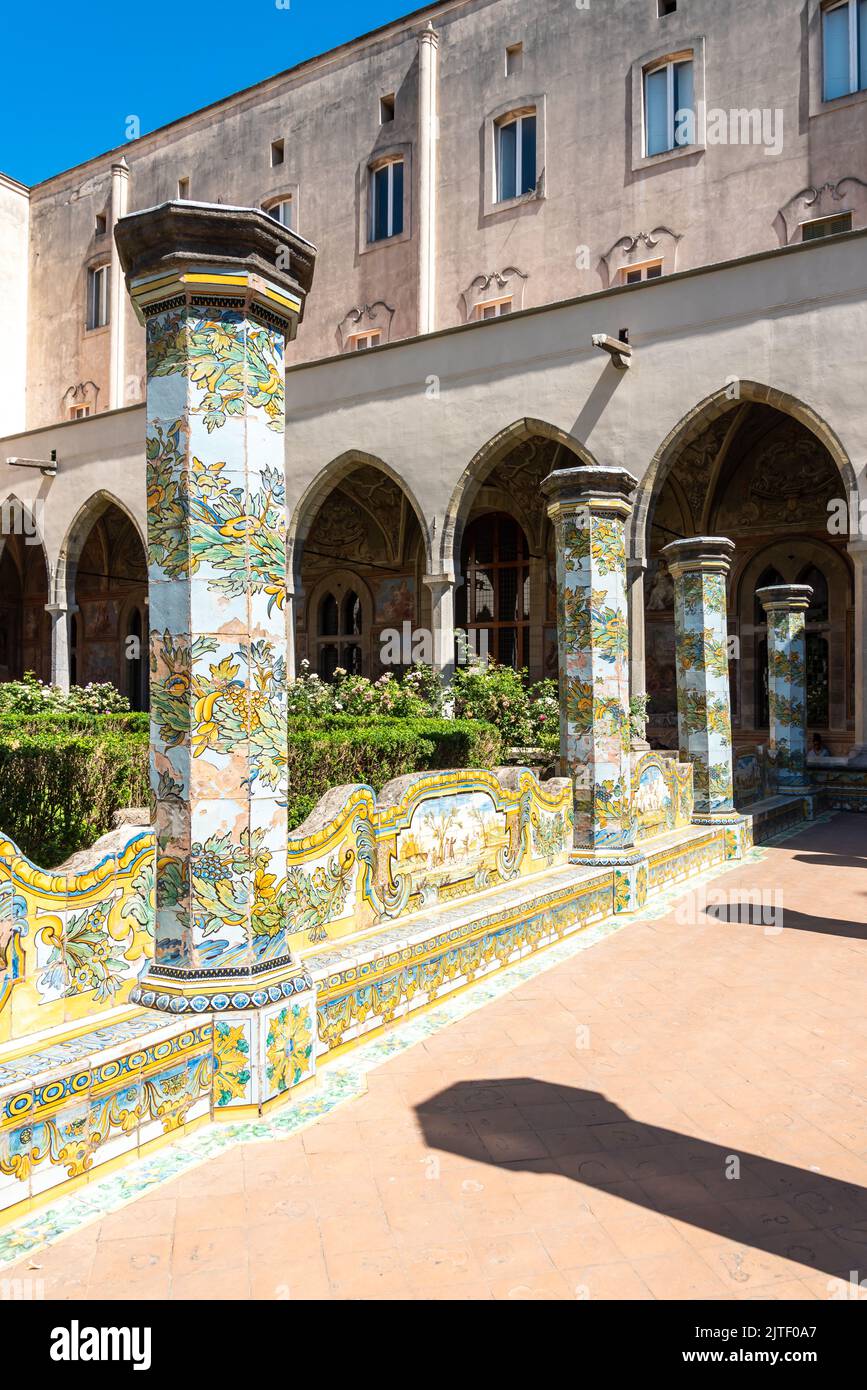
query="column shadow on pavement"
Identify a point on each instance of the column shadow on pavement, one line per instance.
(792, 1213)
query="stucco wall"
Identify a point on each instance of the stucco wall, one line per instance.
(579, 65)
(14, 236)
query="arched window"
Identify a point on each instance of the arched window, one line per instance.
(768, 577)
(818, 670)
(495, 598)
(818, 610)
(338, 630)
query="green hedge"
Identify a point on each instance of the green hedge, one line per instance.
(340, 749)
(59, 788)
(62, 775)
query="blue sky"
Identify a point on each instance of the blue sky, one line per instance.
(73, 76)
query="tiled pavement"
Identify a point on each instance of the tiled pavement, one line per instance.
(573, 1139)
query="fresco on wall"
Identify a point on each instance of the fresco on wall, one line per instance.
(395, 601)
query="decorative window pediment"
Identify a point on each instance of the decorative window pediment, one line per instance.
(495, 287)
(658, 246)
(365, 320)
(848, 194)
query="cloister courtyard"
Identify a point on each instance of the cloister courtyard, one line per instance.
(675, 1112)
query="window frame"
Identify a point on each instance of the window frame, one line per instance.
(824, 222)
(354, 340)
(526, 105)
(819, 104)
(855, 56)
(503, 125)
(644, 267)
(689, 50)
(479, 316)
(669, 66)
(286, 200)
(387, 162)
(101, 270)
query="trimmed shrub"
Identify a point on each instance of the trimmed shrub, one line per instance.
(341, 749)
(58, 788)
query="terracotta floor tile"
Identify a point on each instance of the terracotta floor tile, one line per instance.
(569, 1140)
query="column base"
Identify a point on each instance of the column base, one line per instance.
(738, 830)
(260, 1055)
(630, 874)
(264, 1028)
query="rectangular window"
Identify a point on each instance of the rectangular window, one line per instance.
(184, 187)
(283, 212)
(665, 7)
(492, 309)
(386, 201)
(386, 109)
(669, 110)
(79, 412)
(101, 224)
(634, 274)
(516, 157)
(844, 48)
(278, 149)
(826, 226)
(359, 342)
(97, 296)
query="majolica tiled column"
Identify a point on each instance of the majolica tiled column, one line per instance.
(589, 508)
(699, 567)
(786, 606)
(219, 291)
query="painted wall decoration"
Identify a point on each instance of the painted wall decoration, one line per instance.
(662, 795)
(699, 567)
(71, 945)
(429, 838)
(395, 601)
(786, 606)
(589, 508)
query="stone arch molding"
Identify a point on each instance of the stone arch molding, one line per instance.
(696, 420)
(66, 566)
(304, 513)
(473, 478)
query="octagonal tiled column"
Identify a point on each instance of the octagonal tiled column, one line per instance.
(220, 290)
(786, 606)
(589, 507)
(699, 567)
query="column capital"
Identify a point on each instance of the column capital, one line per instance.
(699, 555)
(588, 485)
(785, 597)
(445, 580)
(188, 253)
(429, 35)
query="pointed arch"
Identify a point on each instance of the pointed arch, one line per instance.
(698, 419)
(481, 465)
(88, 514)
(311, 500)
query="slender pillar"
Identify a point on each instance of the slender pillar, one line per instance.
(60, 614)
(786, 606)
(858, 555)
(117, 312)
(699, 567)
(635, 570)
(220, 290)
(442, 603)
(428, 45)
(589, 508)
